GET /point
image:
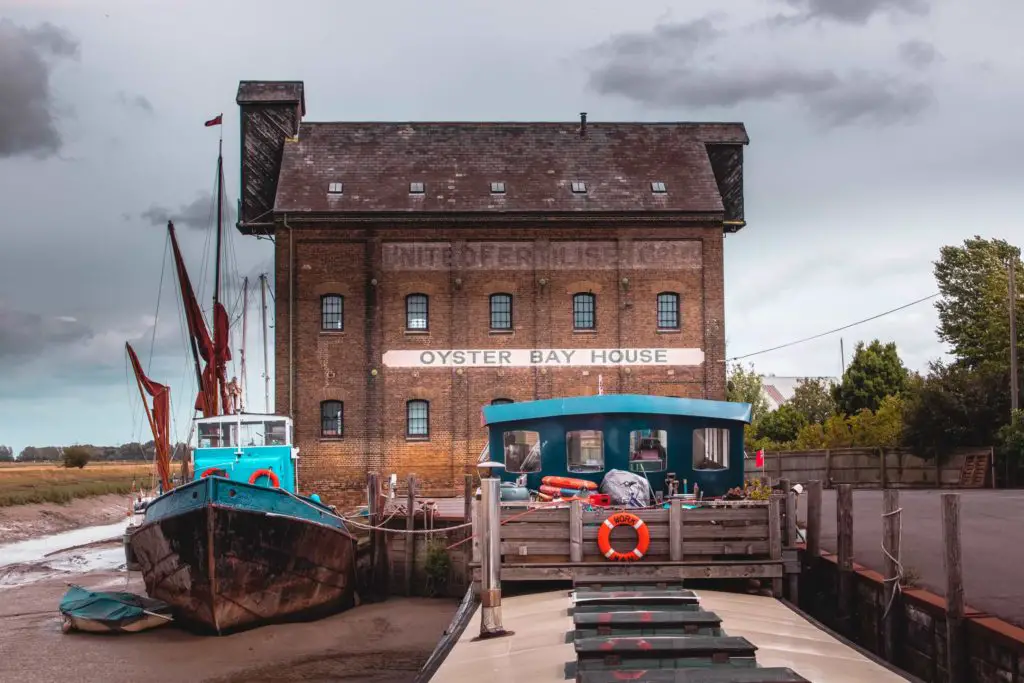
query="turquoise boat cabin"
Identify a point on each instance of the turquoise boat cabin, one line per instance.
(691, 441)
(251, 448)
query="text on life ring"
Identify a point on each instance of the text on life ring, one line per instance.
(604, 537)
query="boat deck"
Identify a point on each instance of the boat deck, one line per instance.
(540, 651)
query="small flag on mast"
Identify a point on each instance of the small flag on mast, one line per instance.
(215, 121)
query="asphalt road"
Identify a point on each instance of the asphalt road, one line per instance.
(992, 538)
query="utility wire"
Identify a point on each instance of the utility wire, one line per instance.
(838, 329)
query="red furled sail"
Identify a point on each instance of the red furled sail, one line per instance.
(159, 417)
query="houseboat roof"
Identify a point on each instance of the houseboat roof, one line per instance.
(617, 403)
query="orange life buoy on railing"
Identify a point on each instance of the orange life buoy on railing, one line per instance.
(213, 470)
(269, 474)
(604, 537)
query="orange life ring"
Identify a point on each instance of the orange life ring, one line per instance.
(269, 474)
(604, 536)
(209, 471)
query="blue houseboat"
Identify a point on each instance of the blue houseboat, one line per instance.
(238, 546)
(691, 442)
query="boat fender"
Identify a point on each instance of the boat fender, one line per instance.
(604, 536)
(269, 474)
(209, 471)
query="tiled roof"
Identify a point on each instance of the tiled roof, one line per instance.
(778, 390)
(538, 162)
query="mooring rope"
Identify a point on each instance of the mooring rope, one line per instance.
(898, 588)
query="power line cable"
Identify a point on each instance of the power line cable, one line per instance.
(838, 329)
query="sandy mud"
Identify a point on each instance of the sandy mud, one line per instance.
(21, 522)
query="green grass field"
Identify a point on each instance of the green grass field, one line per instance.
(50, 483)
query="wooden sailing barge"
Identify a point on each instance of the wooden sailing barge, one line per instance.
(236, 546)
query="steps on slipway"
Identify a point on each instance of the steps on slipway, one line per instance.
(657, 632)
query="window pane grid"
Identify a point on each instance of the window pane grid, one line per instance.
(332, 312)
(332, 422)
(416, 312)
(501, 311)
(583, 311)
(417, 418)
(668, 311)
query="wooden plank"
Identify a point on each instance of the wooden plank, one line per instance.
(890, 551)
(792, 577)
(534, 530)
(649, 516)
(657, 531)
(576, 531)
(956, 634)
(814, 520)
(675, 530)
(844, 543)
(477, 526)
(520, 548)
(536, 514)
(757, 513)
(724, 547)
(663, 571)
(775, 540)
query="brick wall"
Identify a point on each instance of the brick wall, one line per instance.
(339, 365)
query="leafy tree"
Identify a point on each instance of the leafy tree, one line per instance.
(1010, 444)
(973, 280)
(780, 426)
(6, 454)
(955, 406)
(813, 399)
(882, 428)
(875, 372)
(76, 456)
(744, 386)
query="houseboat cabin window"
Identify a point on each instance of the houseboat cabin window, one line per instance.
(522, 452)
(647, 450)
(218, 435)
(226, 434)
(585, 450)
(277, 433)
(711, 448)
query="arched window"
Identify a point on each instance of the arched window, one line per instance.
(416, 306)
(583, 311)
(501, 311)
(668, 311)
(417, 419)
(332, 312)
(332, 419)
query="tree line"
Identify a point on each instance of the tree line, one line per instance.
(133, 450)
(961, 402)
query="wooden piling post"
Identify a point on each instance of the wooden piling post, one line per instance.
(844, 552)
(955, 632)
(372, 491)
(775, 540)
(793, 575)
(675, 530)
(410, 525)
(891, 546)
(813, 522)
(467, 518)
(784, 487)
(576, 530)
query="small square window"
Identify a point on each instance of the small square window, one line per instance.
(498, 188)
(658, 187)
(416, 188)
(579, 187)
(334, 188)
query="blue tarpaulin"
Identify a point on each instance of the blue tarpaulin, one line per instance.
(116, 611)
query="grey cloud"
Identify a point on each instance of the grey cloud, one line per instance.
(135, 102)
(200, 214)
(919, 54)
(28, 120)
(26, 335)
(854, 11)
(668, 67)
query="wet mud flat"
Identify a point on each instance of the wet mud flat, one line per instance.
(384, 642)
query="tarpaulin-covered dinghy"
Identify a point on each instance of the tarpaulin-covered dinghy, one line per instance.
(111, 612)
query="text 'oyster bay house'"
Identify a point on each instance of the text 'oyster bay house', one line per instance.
(424, 270)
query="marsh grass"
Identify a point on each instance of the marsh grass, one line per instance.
(52, 483)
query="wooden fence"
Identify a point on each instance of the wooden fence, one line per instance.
(864, 467)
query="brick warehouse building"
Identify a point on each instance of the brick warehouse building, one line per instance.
(424, 270)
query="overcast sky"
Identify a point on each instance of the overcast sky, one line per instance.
(880, 130)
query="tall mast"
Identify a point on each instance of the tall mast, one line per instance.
(245, 324)
(266, 366)
(220, 212)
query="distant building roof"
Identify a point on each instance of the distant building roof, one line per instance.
(375, 163)
(778, 390)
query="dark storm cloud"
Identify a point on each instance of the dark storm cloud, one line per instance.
(919, 54)
(28, 123)
(671, 66)
(139, 102)
(854, 11)
(199, 215)
(25, 335)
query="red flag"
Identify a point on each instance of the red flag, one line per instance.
(759, 458)
(215, 121)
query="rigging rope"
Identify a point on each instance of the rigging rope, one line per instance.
(898, 579)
